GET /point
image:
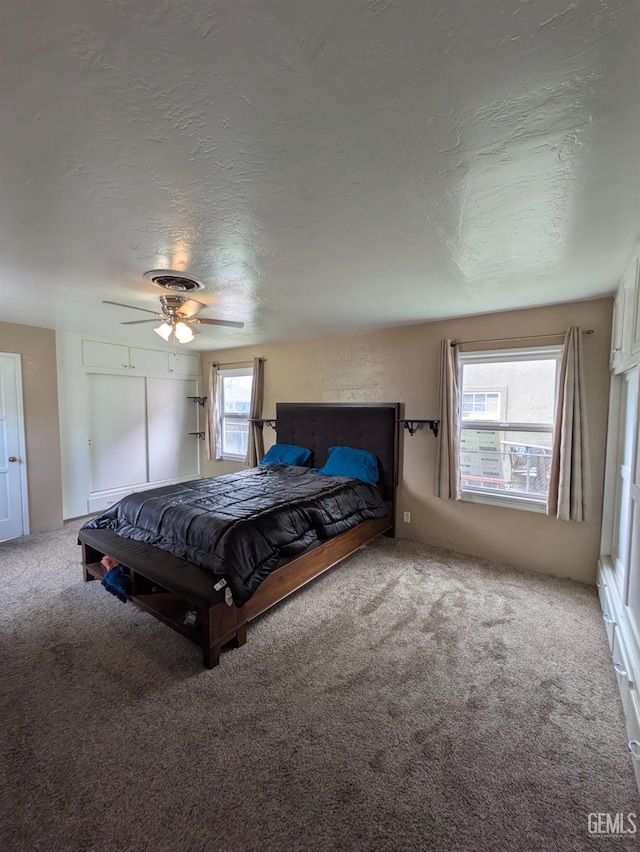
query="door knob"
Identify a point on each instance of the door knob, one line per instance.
(12, 459)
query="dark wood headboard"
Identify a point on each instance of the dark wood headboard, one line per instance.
(366, 426)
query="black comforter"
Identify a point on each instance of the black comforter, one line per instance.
(241, 525)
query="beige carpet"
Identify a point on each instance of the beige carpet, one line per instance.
(411, 699)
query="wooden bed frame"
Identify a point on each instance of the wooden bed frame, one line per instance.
(168, 587)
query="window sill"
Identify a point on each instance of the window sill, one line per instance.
(228, 457)
(521, 503)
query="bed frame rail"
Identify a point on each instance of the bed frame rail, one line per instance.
(164, 592)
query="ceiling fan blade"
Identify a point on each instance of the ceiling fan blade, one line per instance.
(228, 323)
(131, 307)
(190, 307)
(138, 322)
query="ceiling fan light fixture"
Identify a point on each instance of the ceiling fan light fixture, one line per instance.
(183, 333)
(176, 317)
(164, 330)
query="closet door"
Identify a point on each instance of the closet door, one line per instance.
(173, 452)
(117, 431)
(633, 595)
(625, 471)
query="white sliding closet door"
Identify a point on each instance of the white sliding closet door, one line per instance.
(117, 431)
(173, 452)
(633, 595)
(624, 478)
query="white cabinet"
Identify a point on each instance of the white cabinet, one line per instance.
(635, 313)
(116, 356)
(157, 362)
(125, 420)
(619, 564)
(608, 609)
(148, 360)
(112, 356)
(184, 364)
(630, 288)
(625, 333)
(616, 330)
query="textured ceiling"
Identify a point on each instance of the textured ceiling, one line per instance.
(322, 166)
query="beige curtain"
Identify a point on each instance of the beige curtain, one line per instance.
(255, 450)
(570, 481)
(212, 424)
(447, 483)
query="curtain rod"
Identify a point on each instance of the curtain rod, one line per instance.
(236, 363)
(527, 337)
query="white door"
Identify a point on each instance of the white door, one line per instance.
(633, 515)
(13, 493)
(173, 452)
(627, 425)
(118, 439)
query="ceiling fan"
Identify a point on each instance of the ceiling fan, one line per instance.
(178, 318)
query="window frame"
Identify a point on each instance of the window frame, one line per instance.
(515, 499)
(230, 373)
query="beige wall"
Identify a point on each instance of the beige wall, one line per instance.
(37, 348)
(400, 364)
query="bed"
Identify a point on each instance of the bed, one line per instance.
(216, 588)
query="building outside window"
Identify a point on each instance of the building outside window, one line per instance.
(234, 401)
(481, 406)
(507, 410)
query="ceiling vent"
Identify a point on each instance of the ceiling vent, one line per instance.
(173, 282)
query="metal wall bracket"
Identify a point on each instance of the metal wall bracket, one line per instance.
(413, 425)
(261, 422)
(199, 399)
(200, 435)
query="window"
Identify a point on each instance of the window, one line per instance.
(507, 409)
(234, 401)
(481, 406)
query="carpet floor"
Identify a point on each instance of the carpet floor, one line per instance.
(410, 699)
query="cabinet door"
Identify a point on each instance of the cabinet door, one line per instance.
(173, 452)
(148, 360)
(635, 313)
(110, 355)
(182, 364)
(117, 431)
(629, 310)
(616, 330)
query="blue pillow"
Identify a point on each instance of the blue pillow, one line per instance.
(347, 461)
(286, 454)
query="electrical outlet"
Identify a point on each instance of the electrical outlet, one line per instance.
(406, 517)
